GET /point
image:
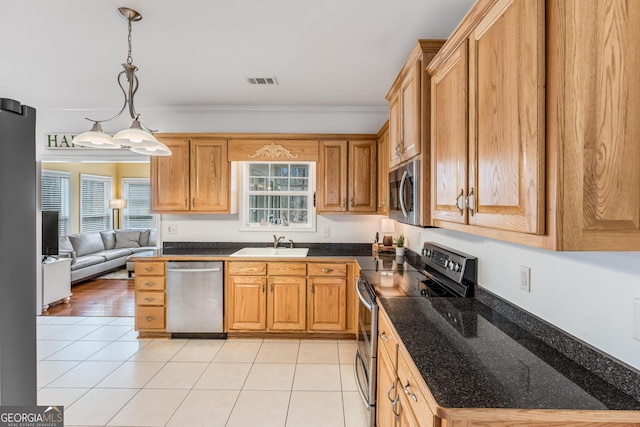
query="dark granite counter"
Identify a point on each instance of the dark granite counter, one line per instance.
(224, 249)
(470, 356)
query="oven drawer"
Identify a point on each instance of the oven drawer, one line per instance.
(387, 340)
(412, 398)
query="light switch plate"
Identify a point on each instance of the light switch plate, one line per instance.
(326, 231)
(525, 278)
(172, 228)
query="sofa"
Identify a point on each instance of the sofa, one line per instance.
(95, 253)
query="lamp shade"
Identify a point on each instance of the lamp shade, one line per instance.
(117, 203)
(135, 136)
(387, 225)
(159, 150)
(95, 138)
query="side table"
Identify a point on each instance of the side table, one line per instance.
(56, 281)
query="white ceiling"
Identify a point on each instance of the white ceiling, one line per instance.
(65, 54)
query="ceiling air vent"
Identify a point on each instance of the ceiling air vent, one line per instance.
(268, 81)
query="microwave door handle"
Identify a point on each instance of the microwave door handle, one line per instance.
(404, 178)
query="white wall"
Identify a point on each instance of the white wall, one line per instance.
(590, 295)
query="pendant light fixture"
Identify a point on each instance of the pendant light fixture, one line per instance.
(138, 138)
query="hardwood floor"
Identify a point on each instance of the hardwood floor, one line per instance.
(99, 297)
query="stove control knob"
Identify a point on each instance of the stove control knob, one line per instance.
(448, 264)
(457, 267)
(426, 252)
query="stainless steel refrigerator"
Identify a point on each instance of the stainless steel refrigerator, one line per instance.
(18, 256)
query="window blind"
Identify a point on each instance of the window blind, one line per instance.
(95, 192)
(137, 193)
(55, 195)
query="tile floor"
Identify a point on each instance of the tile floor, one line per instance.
(104, 376)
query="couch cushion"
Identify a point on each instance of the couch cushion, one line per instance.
(110, 254)
(64, 244)
(153, 237)
(86, 243)
(144, 237)
(86, 261)
(127, 239)
(109, 239)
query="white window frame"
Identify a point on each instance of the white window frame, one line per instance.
(125, 194)
(65, 212)
(107, 213)
(310, 226)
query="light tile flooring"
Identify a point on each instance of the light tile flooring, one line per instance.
(104, 376)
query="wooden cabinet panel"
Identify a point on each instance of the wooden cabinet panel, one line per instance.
(286, 304)
(323, 269)
(209, 176)
(169, 178)
(362, 176)
(150, 318)
(247, 303)
(327, 308)
(413, 408)
(242, 268)
(195, 178)
(149, 268)
(410, 93)
(287, 269)
(449, 141)
(395, 130)
(149, 283)
(149, 298)
(387, 392)
(387, 341)
(383, 170)
(331, 184)
(506, 116)
(347, 177)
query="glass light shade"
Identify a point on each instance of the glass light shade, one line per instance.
(135, 137)
(159, 150)
(117, 203)
(95, 138)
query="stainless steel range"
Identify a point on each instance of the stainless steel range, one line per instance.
(439, 273)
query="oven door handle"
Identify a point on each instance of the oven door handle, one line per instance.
(403, 180)
(357, 358)
(364, 301)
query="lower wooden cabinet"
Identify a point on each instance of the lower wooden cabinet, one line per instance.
(286, 297)
(150, 296)
(387, 392)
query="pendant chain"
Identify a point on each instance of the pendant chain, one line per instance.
(129, 58)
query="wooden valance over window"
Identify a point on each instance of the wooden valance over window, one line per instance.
(273, 150)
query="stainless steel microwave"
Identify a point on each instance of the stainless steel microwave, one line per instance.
(404, 193)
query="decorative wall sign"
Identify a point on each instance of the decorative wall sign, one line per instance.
(274, 151)
(59, 141)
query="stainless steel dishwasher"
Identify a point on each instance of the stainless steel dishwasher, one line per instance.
(195, 299)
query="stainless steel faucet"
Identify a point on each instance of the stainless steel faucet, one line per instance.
(291, 243)
(276, 240)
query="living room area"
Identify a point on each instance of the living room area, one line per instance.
(95, 217)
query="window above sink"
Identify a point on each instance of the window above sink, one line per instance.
(278, 196)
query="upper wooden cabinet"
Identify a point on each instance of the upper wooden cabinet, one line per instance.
(409, 105)
(383, 170)
(195, 178)
(551, 89)
(488, 123)
(346, 177)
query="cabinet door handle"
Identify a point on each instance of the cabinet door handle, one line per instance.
(471, 202)
(149, 299)
(383, 202)
(313, 288)
(458, 204)
(394, 402)
(193, 202)
(327, 270)
(352, 203)
(344, 202)
(149, 284)
(384, 337)
(393, 385)
(263, 286)
(149, 268)
(408, 393)
(149, 318)
(186, 203)
(271, 287)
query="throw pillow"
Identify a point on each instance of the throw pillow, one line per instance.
(108, 238)
(144, 238)
(127, 239)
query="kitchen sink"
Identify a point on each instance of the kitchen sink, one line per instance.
(272, 252)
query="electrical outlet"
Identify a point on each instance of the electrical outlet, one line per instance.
(525, 278)
(326, 231)
(172, 228)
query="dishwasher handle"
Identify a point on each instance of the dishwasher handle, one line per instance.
(194, 270)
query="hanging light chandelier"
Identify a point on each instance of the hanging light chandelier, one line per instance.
(138, 138)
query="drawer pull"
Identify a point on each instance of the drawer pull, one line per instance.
(148, 268)
(149, 299)
(327, 270)
(384, 337)
(408, 393)
(149, 318)
(149, 284)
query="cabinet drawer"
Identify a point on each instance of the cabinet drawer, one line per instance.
(408, 386)
(146, 268)
(387, 341)
(149, 318)
(247, 268)
(149, 298)
(326, 269)
(150, 283)
(287, 269)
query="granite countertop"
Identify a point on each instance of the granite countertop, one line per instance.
(225, 249)
(472, 357)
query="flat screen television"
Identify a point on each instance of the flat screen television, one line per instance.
(49, 233)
